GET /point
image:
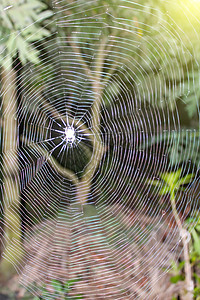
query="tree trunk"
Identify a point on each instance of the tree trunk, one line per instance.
(12, 249)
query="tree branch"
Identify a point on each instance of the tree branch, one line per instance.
(77, 51)
(63, 171)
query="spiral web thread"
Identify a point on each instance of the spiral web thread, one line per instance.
(86, 150)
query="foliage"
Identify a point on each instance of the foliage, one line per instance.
(180, 146)
(20, 26)
(172, 182)
(165, 70)
(61, 291)
(175, 77)
(194, 226)
(177, 270)
(122, 32)
(195, 253)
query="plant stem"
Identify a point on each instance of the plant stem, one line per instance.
(187, 267)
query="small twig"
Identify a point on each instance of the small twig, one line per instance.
(184, 237)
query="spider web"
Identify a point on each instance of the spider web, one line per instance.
(98, 125)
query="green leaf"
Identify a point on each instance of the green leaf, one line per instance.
(185, 180)
(7, 62)
(154, 182)
(196, 293)
(11, 45)
(174, 266)
(181, 265)
(37, 4)
(177, 278)
(57, 285)
(196, 277)
(171, 178)
(22, 47)
(164, 190)
(19, 27)
(197, 227)
(45, 294)
(70, 283)
(196, 241)
(32, 33)
(6, 20)
(26, 51)
(78, 297)
(45, 15)
(33, 56)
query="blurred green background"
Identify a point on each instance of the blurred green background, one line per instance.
(160, 38)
